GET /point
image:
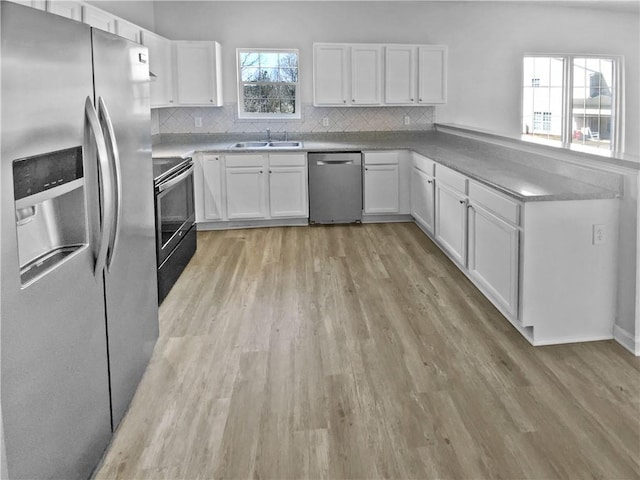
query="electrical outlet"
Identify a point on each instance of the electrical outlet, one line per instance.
(325, 122)
(599, 234)
(407, 120)
(198, 121)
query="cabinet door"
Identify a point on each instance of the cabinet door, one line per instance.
(38, 4)
(245, 192)
(400, 74)
(451, 221)
(196, 73)
(432, 74)
(381, 189)
(160, 66)
(70, 10)
(212, 187)
(366, 74)
(493, 257)
(422, 200)
(98, 18)
(288, 192)
(128, 30)
(329, 74)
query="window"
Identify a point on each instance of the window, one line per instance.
(571, 100)
(268, 84)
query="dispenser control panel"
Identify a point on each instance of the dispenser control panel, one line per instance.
(36, 174)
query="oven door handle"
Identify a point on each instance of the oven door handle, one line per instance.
(105, 120)
(92, 124)
(175, 180)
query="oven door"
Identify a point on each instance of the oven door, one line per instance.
(175, 213)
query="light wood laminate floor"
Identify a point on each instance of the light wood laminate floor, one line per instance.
(362, 352)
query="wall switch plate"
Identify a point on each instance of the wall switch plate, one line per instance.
(325, 122)
(599, 234)
(407, 120)
(198, 121)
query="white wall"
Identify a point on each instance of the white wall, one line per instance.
(139, 12)
(486, 43)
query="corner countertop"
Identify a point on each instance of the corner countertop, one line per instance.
(522, 175)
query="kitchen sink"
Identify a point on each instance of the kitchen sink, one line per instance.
(250, 145)
(273, 144)
(283, 144)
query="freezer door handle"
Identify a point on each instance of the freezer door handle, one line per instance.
(112, 148)
(92, 124)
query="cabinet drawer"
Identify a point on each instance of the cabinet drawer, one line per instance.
(245, 160)
(287, 159)
(453, 179)
(423, 163)
(381, 158)
(494, 201)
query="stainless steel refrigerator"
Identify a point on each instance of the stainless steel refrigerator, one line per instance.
(79, 315)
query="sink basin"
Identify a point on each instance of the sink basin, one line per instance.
(283, 144)
(265, 144)
(250, 145)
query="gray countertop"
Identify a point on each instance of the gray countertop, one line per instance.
(521, 175)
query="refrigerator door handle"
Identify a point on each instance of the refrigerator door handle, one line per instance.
(106, 190)
(105, 119)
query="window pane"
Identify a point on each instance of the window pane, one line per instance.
(268, 59)
(592, 102)
(250, 74)
(542, 97)
(252, 91)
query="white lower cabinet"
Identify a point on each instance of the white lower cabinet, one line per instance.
(246, 192)
(288, 196)
(451, 221)
(212, 188)
(250, 187)
(386, 184)
(381, 189)
(493, 257)
(422, 199)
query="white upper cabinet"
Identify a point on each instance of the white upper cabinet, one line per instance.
(330, 74)
(400, 74)
(98, 18)
(370, 74)
(197, 73)
(366, 75)
(415, 74)
(345, 75)
(128, 30)
(432, 74)
(72, 10)
(159, 68)
(38, 4)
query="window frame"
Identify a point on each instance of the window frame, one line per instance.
(242, 115)
(617, 114)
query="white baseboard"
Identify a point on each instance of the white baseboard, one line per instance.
(627, 340)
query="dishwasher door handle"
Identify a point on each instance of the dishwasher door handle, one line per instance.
(334, 162)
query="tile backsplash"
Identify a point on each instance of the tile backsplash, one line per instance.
(353, 119)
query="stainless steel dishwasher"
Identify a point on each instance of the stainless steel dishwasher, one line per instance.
(335, 187)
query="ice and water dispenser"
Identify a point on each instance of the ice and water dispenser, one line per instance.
(50, 210)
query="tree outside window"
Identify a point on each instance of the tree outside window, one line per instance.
(268, 84)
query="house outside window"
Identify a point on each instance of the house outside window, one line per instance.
(572, 100)
(268, 84)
